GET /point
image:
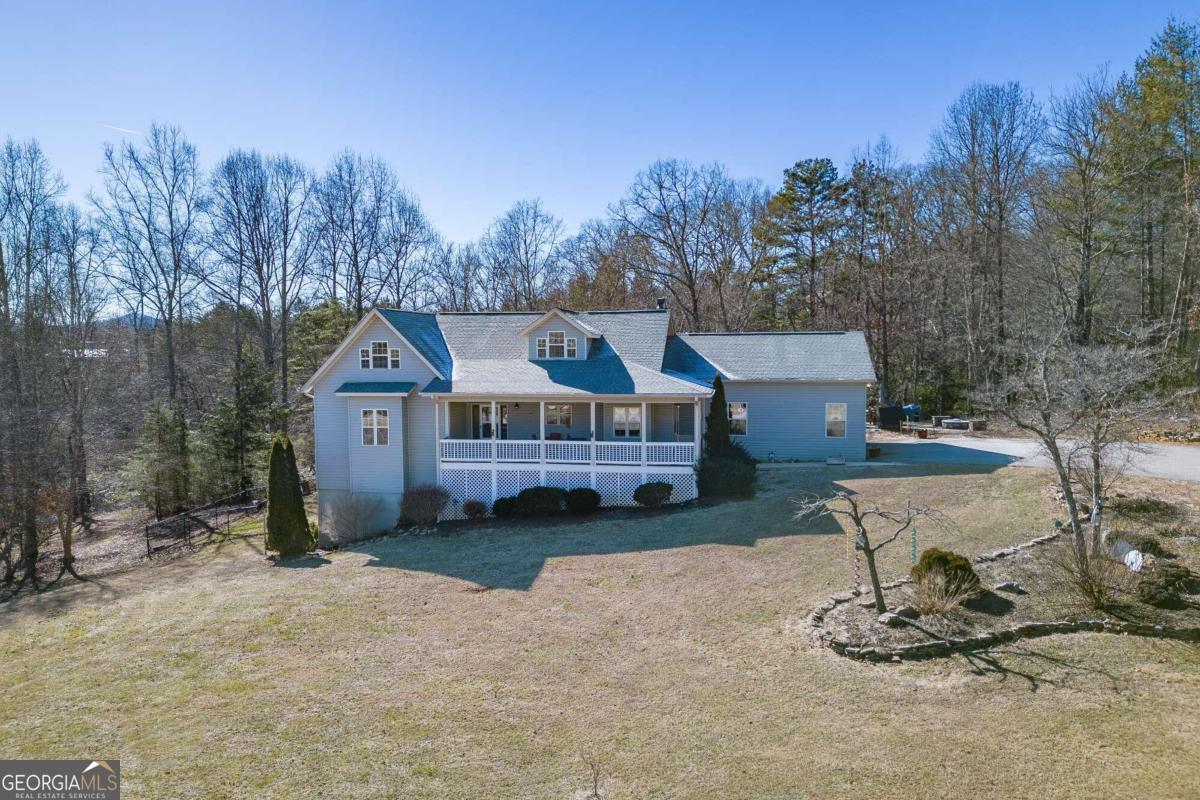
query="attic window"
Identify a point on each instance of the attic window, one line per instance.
(379, 355)
(572, 350)
(558, 344)
(541, 347)
(394, 358)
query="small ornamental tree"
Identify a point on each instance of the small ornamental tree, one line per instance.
(287, 523)
(716, 434)
(844, 503)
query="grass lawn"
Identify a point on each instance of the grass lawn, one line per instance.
(671, 652)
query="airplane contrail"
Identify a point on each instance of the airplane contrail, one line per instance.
(120, 130)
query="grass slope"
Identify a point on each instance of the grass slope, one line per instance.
(668, 651)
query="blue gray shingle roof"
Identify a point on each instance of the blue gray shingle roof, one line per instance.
(803, 356)
(422, 332)
(484, 353)
(375, 387)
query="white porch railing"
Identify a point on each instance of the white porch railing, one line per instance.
(516, 450)
(670, 452)
(466, 449)
(619, 452)
(567, 452)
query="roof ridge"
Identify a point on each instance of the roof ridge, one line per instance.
(764, 333)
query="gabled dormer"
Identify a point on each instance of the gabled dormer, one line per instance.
(558, 335)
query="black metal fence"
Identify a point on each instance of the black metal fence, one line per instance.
(204, 522)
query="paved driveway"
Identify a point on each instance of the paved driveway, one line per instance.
(1177, 462)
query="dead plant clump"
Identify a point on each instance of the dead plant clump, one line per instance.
(937, 592)
(1097, 580)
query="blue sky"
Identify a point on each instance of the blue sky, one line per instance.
(477, 105)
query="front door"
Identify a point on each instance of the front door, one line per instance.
(481, 413)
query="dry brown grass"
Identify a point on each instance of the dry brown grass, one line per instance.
(667, 652)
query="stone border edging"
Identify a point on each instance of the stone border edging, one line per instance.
(947, 646)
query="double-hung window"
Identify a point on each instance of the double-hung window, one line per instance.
(558, 344)
(541, 347)
(627, 422)
(835, 420)
(379, 356)
(374, 426)
(558, 414)
(739, 419)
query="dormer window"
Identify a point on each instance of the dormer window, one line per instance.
(556, 344)
(379, 356)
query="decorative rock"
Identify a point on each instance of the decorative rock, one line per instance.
(1011, 587)
(843, 597)
(867, 602)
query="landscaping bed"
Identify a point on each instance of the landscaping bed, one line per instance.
(1022, 595)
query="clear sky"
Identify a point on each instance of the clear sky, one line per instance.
(477, 105)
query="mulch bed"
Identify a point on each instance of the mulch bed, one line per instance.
(849, 624)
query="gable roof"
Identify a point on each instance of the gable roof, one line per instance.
(801, 356)
(373, 314)
(421, 332)
(490, 356)
(571, 317)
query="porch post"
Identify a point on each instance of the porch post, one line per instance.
(645, 424)
(592, 440)
(493, 446)
(542, 442)
(697, 405)
(437, 437)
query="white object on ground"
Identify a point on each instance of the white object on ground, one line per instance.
(1133, 560)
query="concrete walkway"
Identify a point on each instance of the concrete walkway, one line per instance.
(1176, 462)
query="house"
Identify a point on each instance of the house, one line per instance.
(486, 404)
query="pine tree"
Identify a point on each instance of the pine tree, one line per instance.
(287, 523)
(716, 435)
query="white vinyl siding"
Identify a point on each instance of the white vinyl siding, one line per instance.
(789, 419)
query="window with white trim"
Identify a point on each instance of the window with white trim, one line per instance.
(374, 427)
(739, 419)
(835, 420)
(627, 422)
(558, 344)
(558, 414)
(572, 347)
(379, 355)
(541, 347)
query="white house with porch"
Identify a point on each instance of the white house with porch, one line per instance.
(487, 404)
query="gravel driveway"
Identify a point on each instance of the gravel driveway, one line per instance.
(1175, 462)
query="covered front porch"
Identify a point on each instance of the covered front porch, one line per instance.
(609, 431)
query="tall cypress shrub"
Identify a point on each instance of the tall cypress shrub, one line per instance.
(716, 441)
(287, 524)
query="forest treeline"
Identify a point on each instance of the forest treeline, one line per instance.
(153, 337)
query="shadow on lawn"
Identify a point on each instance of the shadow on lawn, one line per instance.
(512, 556)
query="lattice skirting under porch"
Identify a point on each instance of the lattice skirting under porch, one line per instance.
(615, 484)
